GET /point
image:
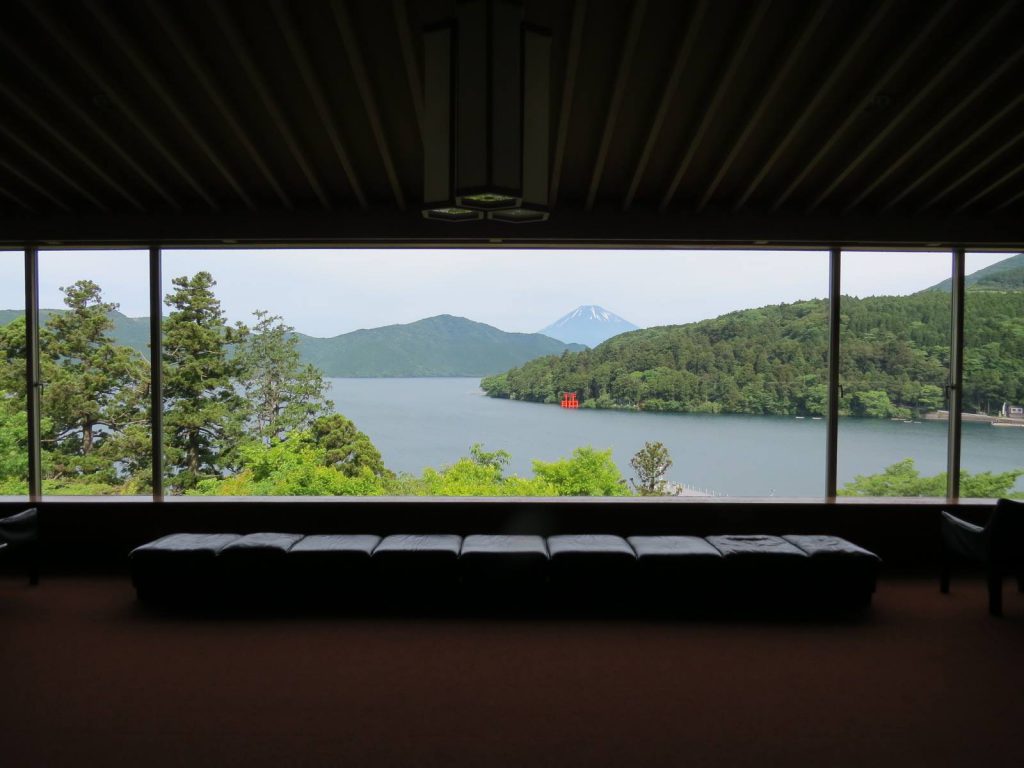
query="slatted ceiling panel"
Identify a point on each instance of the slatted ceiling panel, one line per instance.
(895, 100)
(266, 116)
(395, 132)
(603, 34)
(685, 105)
(647, 71)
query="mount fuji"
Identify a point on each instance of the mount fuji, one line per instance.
(589, 324)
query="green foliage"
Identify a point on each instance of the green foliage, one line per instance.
(498, 459)
(588, 472)
(281, 394)
(203, 412)
(650, 463)
(773, 360)
(13, 446)
(95, 390)
(903, 479)
(342, 447)
(292, 467)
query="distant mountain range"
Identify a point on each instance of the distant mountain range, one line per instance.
(130, 331)
(588, 324)
(435, 346)
(444, 345)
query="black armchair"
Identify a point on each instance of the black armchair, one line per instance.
(19, 535)
(999, 545)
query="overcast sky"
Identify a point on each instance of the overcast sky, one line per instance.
(327, 292)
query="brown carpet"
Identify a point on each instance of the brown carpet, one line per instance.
(924, 680)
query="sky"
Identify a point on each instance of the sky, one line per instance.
(327, 292)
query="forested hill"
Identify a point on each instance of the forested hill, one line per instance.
(1005, 275)
(773, 360)
(435, 346)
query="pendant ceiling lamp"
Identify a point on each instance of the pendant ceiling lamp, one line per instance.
(487, 79)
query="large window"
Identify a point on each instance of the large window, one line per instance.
(444, 372)
(511, 372)
(894, 368)
(992, 452)
(13, 416)
(94, 365)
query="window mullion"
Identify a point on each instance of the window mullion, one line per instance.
(832, 439)
(956, 376)
(32, 377)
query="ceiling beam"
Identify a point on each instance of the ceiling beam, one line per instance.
(309, 77)
(215, 95)
(955, 152)
(358, 67)
(106, 84)
(245, 60)
(572, 61)
(667, 95)
(738, 53)
(411, 61)
(992, 187)
(47, 126)
(856, 113)
(131, 51)
(31, 183)
(920, 94)
(16, 200)
(809, 30)
(572, 228)
(84, 118)
(44, 161)
(947, 117)
(849, 56)
(973, 171)
(1008, 202)
(636, 20)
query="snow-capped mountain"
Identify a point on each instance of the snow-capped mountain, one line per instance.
(589, 324)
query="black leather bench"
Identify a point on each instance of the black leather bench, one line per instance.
(560, 571)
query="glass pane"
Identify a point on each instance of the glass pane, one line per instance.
(94, 360)
(443, 372)
(13, 418)
(894, 367)
(992, 448)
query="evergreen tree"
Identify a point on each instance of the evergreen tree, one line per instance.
(95, 390)
(281, 394)
(203, 412)
(343, 447)
(650, 464)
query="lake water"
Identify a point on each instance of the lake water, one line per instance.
(417, 423)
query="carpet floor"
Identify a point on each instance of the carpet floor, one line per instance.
(89, 677)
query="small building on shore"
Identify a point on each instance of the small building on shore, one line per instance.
(1009, 411)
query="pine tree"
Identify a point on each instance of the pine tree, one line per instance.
(203, 412)
(281, 394)
(95, 390)
(651, 463)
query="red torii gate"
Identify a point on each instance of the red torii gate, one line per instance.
(569, 400)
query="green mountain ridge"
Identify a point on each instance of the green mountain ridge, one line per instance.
(773, 360)
(1005, 275)
(444, 345)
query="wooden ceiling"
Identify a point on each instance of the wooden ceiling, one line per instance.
(764, 122)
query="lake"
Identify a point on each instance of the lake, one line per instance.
(417, 423)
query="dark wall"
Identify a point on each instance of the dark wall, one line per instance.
(98, 533)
